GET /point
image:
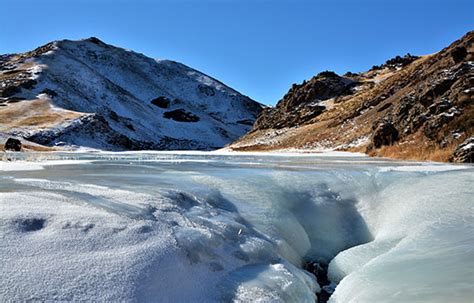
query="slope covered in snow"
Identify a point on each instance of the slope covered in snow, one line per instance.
(217, 227)
(88, 93)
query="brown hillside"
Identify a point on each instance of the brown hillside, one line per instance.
(411, 107)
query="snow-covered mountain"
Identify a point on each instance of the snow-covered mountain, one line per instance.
(88, 93)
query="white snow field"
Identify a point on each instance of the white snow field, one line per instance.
(223, 227)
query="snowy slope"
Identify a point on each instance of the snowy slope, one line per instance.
(113, 90)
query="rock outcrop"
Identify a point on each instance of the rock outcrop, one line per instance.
(384, 134)
(303, 103)
(464, 153)
(13, 144)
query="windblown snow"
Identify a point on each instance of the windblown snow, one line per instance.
(213, 227)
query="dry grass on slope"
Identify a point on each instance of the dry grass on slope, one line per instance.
(33, 148)
(38, 113)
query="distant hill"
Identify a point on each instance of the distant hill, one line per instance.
(410, 108)
(90, 94)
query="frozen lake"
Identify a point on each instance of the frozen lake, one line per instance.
(210, 227)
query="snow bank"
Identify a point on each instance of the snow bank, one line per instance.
(423, 229)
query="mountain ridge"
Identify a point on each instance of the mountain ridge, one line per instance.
(107, 99)
(410, 107)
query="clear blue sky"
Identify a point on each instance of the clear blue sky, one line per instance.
(258, 47)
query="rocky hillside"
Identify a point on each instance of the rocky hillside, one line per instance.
(90, 94)
(409, 107)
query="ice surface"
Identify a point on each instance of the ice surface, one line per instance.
(213, 227)
(35, 165)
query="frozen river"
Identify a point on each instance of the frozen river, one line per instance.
(210, 227)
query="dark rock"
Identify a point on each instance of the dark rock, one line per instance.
(161, 102)
(13, 144)
(327, 74)
(375, 67)
(464, 153)
(95, 40)
(406, 103)
(181, 115)
(29, 224)
(439, 107)
(29, 84)
(130, 126)
(458, 54)
(400, 61)
(122, 141)
(246, 122)
(384, 134)
(435, 124)
(384, 107)
(350, 75)
(419, 121)
(206, 90)
(9, 91)
(320, 270)
(113, 115)
(50, 92)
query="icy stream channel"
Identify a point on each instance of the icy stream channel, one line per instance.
(208, 227)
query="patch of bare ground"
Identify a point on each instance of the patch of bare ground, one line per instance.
(38, 113)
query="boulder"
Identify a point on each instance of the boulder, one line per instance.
(458, 54)
(181, 115)
(464, 153)
(384, 134)
(161, 102)
(13, 144)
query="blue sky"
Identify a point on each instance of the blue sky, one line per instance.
(259, 47)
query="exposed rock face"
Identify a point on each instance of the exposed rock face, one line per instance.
(464, 153)
(13, 145)
(409, 107)
(302, 103)
(384, 134)
(459, 53)
(397, 62)
(134, 101)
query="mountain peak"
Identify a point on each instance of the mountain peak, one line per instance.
(88, 93)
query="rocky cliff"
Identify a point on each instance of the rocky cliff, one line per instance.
(409, 107)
